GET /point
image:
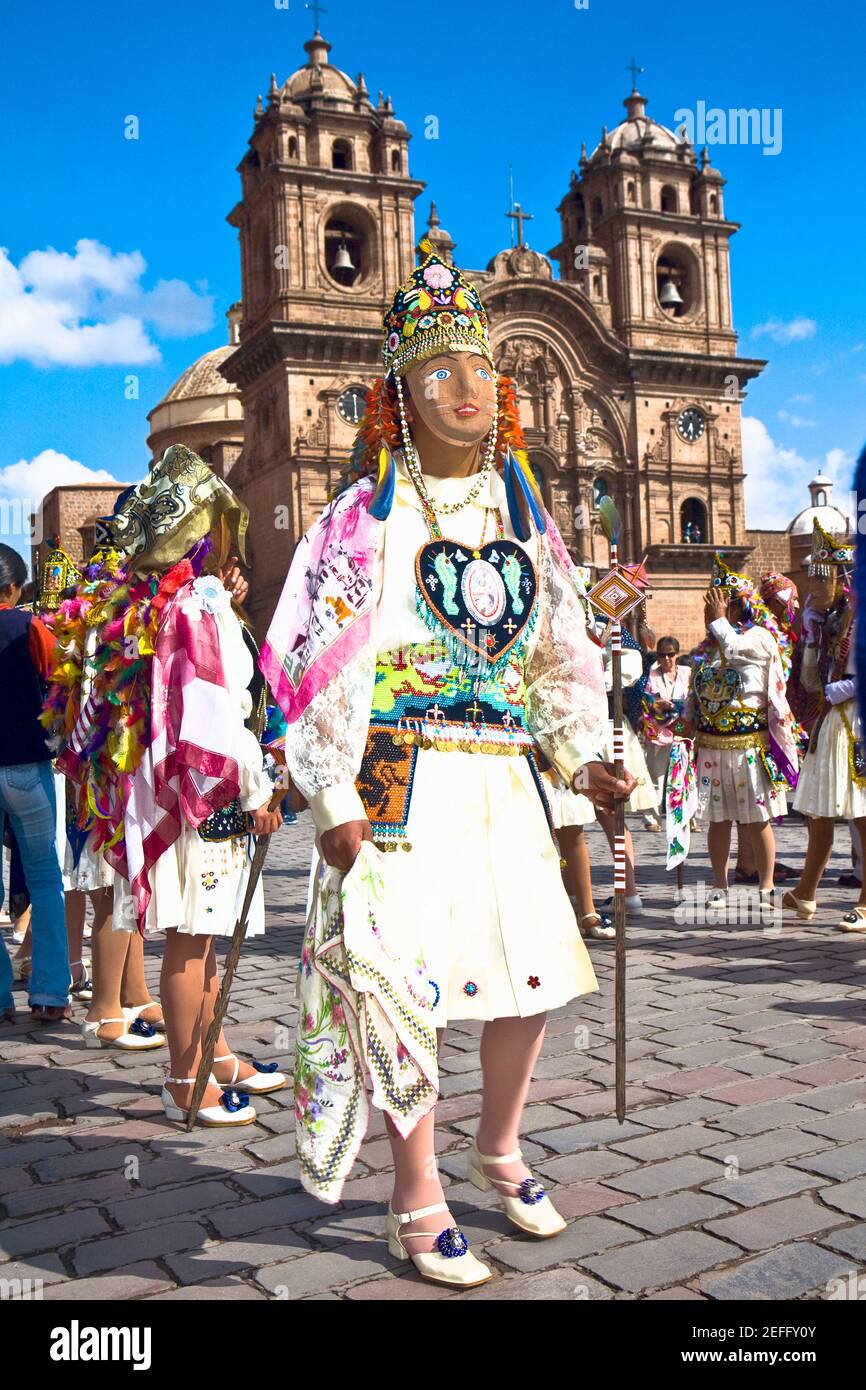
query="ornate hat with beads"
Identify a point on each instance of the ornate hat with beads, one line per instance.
(436, 310)
(726, 578)
(828, 552)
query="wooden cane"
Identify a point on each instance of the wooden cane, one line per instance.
(202, 1075)
(619, 907)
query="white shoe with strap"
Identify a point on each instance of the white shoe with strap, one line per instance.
(232, 1109)
(265, 1078)
(136, 1036)
(452, 1263)
(530, 1209)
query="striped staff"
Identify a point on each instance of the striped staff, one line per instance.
(615, 595)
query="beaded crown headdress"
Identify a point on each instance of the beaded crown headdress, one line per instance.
(726, 578)
(436, 310)
(828, 552)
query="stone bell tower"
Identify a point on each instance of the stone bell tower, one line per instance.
(327, 232)
(645, 241)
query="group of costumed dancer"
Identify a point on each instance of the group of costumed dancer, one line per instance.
(440, 687)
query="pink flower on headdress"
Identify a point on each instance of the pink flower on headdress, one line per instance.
(438, 277)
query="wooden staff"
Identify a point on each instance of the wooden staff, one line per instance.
(205, 1066)
(619, 908)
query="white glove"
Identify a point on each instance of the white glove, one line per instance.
(837, 692)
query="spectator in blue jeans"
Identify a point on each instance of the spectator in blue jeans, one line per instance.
(27, 797)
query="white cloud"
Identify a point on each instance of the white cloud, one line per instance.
(801, 399)
(795, 421)
(794, 331)
(777, 479)
(24, 484)
(90, 308)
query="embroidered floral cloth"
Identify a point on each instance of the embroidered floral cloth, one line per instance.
(364, 1024)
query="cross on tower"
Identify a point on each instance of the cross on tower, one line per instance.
(633, 68)
(520, 217)
(317, 9)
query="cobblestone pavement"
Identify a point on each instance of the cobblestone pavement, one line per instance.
(740, 1172)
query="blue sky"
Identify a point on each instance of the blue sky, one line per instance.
(508, 82)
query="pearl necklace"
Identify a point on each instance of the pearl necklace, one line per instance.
(413, 466)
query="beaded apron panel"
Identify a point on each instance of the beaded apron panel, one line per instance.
(424, 698)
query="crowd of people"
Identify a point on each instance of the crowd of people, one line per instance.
(442, 705)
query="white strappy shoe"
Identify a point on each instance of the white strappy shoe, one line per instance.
(232, 1108)
(530, 1210)
(266, 1078)
(136, 1036)
(452, 1263)
(80, 989)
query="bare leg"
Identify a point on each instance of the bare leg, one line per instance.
(75, 904)
(818, 851)
(719, 847)
(416, 1179)
(759, 835)
(745, 852)
(188, 976)
(858, 828)
(109, 950)
(22, 925)
(606, 821)
(509, 1050)
(134, 989)
(578, 875)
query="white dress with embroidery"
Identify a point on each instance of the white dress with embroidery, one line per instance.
(481, 883)
(827, 787)
(733, 784)
(198, 885)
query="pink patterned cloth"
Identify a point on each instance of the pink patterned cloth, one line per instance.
(324, 615)
(189, 769)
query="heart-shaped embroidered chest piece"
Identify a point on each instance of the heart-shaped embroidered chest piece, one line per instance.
(716, 687)
(485, 597)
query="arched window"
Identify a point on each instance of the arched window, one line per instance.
(396, 162)
(693, 522)
(341, 155)
(596, 286)
(670, 201)
(629, 191)
(600, 488)
(597, 208)
(293, 147)
(714, 202)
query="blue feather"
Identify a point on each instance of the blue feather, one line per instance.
(383, 496)
(523, 502)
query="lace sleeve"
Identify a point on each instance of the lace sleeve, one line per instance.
(566, 705)
(325, 745)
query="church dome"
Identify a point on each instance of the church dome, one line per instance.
(320, 79)
(202, 409)
(822, 509)
(637, 133)
(202, 379)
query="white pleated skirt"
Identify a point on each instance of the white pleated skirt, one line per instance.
(198, 888)
(483, 890)
(733, 785)
(826, 786)
(567, 807)
(643, 798)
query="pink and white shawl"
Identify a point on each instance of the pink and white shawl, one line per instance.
(189, 769)
(325, 611)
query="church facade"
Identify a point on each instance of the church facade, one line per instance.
(626, 365)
